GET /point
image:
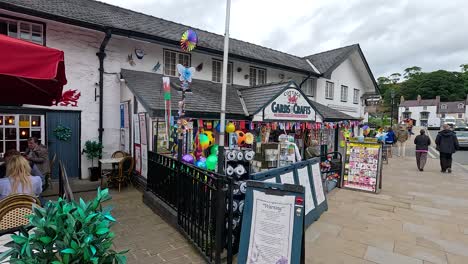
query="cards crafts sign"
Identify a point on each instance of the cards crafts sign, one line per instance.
(289, 105)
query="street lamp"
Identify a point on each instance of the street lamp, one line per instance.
(392, 94)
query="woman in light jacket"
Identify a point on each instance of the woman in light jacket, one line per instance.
(19, 179)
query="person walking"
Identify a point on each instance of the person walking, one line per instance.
(422, 142)
(402, 137)
(447, 144)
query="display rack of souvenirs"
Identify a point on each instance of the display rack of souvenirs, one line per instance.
(331, 169)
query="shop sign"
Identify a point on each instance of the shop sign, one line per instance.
(289, 105)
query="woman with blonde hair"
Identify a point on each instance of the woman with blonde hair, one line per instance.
(19, 179)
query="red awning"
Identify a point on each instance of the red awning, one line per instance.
(30, 73)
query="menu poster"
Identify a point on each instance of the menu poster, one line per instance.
(138, 158)
(317, 177)
(304, 181)
(362, 166)
(271, 233)
(287, 178)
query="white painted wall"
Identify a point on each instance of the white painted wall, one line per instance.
(345, 74)
(416, 113)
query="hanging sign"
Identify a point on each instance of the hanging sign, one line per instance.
(290, 105)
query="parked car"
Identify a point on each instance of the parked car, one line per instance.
(462, 137)
(460, 124)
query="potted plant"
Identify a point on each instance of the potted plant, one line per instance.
(93, 150)
(67, 232)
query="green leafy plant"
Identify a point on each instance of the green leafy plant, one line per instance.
(93, 149)
(63, 133)
(67, 232)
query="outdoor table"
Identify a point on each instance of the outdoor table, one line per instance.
(112, 161)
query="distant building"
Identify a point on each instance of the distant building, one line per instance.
(427, 112)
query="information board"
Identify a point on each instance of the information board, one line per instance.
(306, 173)
(362, 168)
(272, 229)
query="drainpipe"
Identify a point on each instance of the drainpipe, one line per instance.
(101, 55)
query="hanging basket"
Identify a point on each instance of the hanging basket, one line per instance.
(63, 133)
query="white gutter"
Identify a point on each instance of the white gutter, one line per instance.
(313, 66)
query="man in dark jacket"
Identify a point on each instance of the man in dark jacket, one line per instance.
(447, 144)
(422, 142)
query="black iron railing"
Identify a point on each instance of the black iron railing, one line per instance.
(201, 201)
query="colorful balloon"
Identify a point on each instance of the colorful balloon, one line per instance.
(230, 128)
(249, 138)
(211, 138)
(204, 141)
(200, 164)
(240, 137)
(211, 162)
(188, 158)
(218, 127)
(214, 149)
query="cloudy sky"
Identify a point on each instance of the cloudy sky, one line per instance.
(393, 34)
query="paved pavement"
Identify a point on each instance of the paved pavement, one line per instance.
(419, 217)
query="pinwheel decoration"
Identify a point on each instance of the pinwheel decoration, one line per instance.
(188, 41)
(185, 75)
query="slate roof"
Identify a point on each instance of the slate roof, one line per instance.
(330, 114)
(204, 99)
(423, 102)
(452, 107)
(258, 96)
(98, 15)
(326, 60)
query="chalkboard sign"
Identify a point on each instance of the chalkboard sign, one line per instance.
(272, 229)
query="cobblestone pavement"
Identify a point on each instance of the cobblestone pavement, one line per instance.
(419, 217)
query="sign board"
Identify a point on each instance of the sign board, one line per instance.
(272, 229)
(306, 173)
(290, 105)
(363, 166)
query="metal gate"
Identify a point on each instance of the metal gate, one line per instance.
(67, 151)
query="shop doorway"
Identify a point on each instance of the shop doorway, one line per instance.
(67, 150)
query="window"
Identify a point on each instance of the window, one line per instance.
(217, 71)
(406, 115)
(16, 129)
(460, 106)
(344, 93)
(329, 90)
(460, 115)
(406, 108)
(356, 96)
(257, 76)
(424, 116)
(310, 87)
(32, 32)
(443, 106)
(172, 58)
(443, 116)
(424, 107)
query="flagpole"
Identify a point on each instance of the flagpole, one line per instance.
(223, 91)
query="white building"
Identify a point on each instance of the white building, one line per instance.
(91, 32)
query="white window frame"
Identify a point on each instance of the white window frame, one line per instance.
(254, 76)
(356, 96)
(443, 106)
(460, 106)
(329, 90)
(460, 115)
(16, 126)
(170, 68)
(344, 93)
(310, 87)
(217, 71)
(20, 33)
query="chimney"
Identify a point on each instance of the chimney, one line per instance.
(437, 99)
(419, 98)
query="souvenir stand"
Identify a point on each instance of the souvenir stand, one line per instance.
(363, 165)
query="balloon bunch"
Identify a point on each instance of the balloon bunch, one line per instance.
(366, 130)
(198, 160)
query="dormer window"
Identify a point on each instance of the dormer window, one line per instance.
(460, 106)
(443, 106)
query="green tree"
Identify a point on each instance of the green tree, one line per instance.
(448, 85)
(395, 77)
(411, 72)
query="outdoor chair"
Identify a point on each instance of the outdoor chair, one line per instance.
(13, 212)
(119, 154)
(124, 173)
(67, 191)
(48, 177)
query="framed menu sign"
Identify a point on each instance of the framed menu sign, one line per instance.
(272, 229)
(362, 169)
